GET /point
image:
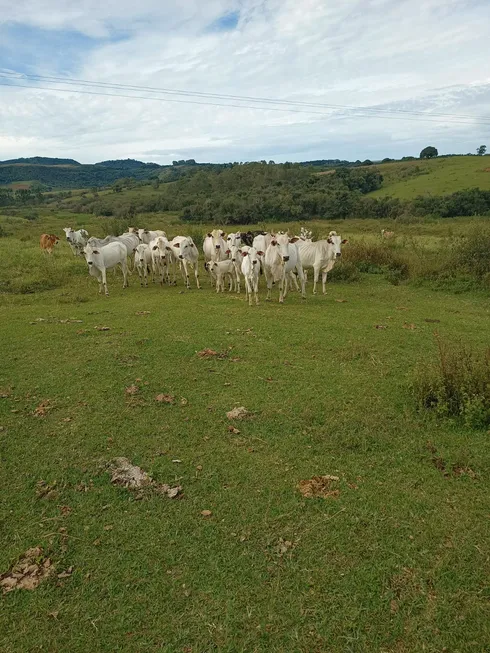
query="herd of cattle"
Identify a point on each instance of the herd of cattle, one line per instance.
(281, 258)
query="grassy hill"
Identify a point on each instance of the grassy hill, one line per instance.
(408, 179)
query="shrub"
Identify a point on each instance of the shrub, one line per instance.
(344, 271)
(375, 258)
(32, 216)
(456, 384)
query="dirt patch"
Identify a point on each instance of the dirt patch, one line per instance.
(43, 409)
(32, 568)
(132, 477)
(457, 470)
(438, 462)
(165, 399)
(238, 413)
(319, 486)
(207, 353)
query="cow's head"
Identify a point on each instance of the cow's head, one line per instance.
(90, 255)
(336, 242)
(282, 241)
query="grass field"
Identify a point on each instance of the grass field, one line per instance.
(407, 179)
(396, 562)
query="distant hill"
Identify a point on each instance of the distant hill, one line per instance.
(69, 174)
(42, 161)
(441, 176)
(127, 164)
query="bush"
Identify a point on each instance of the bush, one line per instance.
(32, 216)
(344, 271)
(375, 258)
(457, 384)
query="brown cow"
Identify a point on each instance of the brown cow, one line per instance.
(47, 242)
(387, 234)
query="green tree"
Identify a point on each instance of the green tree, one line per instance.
(481, 150)
(429, 152)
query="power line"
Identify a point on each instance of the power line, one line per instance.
(243, 106)
(112, 85)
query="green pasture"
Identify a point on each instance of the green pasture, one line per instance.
(395, 562)
(407, 179)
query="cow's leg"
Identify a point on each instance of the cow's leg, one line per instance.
(295, 281)
(124, 268)
(301, 276)
(316, 274)
(196, 274)
(185, 274)
(324, 280)
(256, 289)
(218, 283)
(104, 281)
(248, 290)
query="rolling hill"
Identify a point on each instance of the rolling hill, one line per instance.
(442, 176)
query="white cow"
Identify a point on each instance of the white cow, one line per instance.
(143, 261)
(251, 271)
(145, 236)
(76, 239)
(214, 246)
(233, 240)
(321, 256)
(223, 269)
(130, 241)
(160, 258)
(186, 253)
(281, 258)
(101, 259)
(234, 252)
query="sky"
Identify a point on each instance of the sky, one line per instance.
(396, 56)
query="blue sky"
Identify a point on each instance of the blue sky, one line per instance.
(430, 57)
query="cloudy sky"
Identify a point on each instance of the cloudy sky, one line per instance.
(413, 56)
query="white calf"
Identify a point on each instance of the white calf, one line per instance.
(223, 269)
(281, 258)
(76, 239)
(186, 253)
(142, 261)
(102, 259)
(160, 258)
(251, 270)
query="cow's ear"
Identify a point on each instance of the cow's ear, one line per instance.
(95, 251)
(260, 253)
(345, 241)
(244, 253)
(228, 251)
(169, 248)
(176, 244)
(273, 242)
(209, 235)
(294, 239)
(154, 247)
(329, 240)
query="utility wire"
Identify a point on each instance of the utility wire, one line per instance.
(112, 85)
(243, 106)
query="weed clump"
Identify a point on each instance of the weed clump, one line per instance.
(456, 384)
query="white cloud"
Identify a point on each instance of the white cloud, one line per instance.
(387, 53)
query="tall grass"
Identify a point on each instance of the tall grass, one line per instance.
(455, 384)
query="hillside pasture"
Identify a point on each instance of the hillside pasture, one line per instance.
(442, 176)
(393, 558)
